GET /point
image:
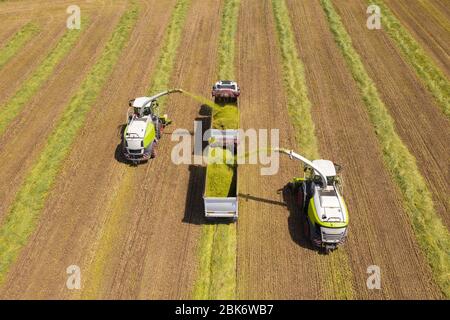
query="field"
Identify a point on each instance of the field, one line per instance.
(375, 101)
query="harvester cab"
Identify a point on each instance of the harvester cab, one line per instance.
(225, 91)
(319, 197)
(144, 127)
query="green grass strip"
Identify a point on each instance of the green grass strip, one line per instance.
(30, 199)
(17, 42)
(431, 234)
(216, 276)
(299, 109)
(11, 108)
(166, 61)
(432, 77)
(298, 103)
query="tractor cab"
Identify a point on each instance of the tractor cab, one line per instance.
(141, 107)
(328, 168)
(225, 90)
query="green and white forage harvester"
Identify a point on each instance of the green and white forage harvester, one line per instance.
(318, 195)
(144, 127)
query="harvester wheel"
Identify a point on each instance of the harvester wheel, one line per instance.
(291, 187)
(306, 229)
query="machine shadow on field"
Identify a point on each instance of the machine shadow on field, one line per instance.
(296, 220)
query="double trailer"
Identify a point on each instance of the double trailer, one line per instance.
(222, 206)
(217, 204)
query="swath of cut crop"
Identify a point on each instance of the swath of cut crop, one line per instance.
(299, 109)
(433, 78)
(17, 42)
(431, 234)
(12, 107)
(30, 199)
(216, 277)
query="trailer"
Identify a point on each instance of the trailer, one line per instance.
(217, 205)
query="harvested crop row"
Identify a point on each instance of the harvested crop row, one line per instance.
(299, 108)
(158, 82)
(432, 236)
(30, 199)
(161, 78)
(11, 108)
(433, 78)
(17, 42)
(216, 277)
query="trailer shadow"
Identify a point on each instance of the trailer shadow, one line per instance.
(296, 220)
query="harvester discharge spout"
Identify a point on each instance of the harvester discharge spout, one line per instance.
(309, 163)
(167, 92)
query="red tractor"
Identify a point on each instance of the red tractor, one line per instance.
(225, 91)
